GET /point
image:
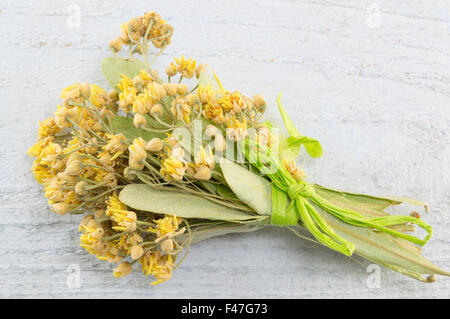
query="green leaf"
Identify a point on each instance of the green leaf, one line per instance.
(252, 189)
(124, 125)
(210, 230)
(225, 191)
(114, 67)
(181, 204)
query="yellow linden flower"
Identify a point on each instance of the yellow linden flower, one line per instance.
(156, 265)
(205, 158)
(99, 97)
(72, 92)
(41, 143)
(225, 103)
(265, 137)
(126, 98)
(41, 172)
(181, 110)
(186, 67)
(144, 75)
(166, 226)
(237, 101)
(126, 241)
(206, 94)
(91, 240)
(172, 69)
(49, 155)
(125, 220)
(137, 150)
(163, 270)
(173, 168)
(293, 170)
(116, 145)
(215, 113)
(236, 129)
(124, 269)
(48, 127)
(125, 83)
(143, 103)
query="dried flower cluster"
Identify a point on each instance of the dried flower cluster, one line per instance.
(83, 163)
(148, 195)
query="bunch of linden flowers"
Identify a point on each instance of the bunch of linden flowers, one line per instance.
(159, 164)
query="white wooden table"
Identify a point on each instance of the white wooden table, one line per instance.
(369, 79)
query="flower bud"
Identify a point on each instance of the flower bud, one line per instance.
(80, 188)
(135, 165)
(431, 278)
(113, 95)
(155, 145)
(136, 252)
(167, 245)
(220, 144)
(135, 36)
(57, 164)
(160, 90)
(415, 214)
(190, 171)
(129, 174)
(116, 44)
(178, 153)
(191, 99)
(139, 120)
(154, 74)
(138, 81)
(135, 23)
(60, 208)
(99, 213)
(157, 110)
(259, 102)
(124, 269)
(211, 130)
(66, 178)
(85, 221)
(199, 70)
(74, 168)
(171, 88)
(85, 89)
(110, 180)
(203, 173)
(106, 114)
(171, 70)
(182, 89)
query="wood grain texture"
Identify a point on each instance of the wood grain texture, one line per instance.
(377, 99)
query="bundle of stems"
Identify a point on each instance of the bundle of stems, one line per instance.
(158, 165)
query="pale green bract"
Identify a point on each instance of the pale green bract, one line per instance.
(124, 125)
(250, 188)
(113, 68)
(172, 202)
